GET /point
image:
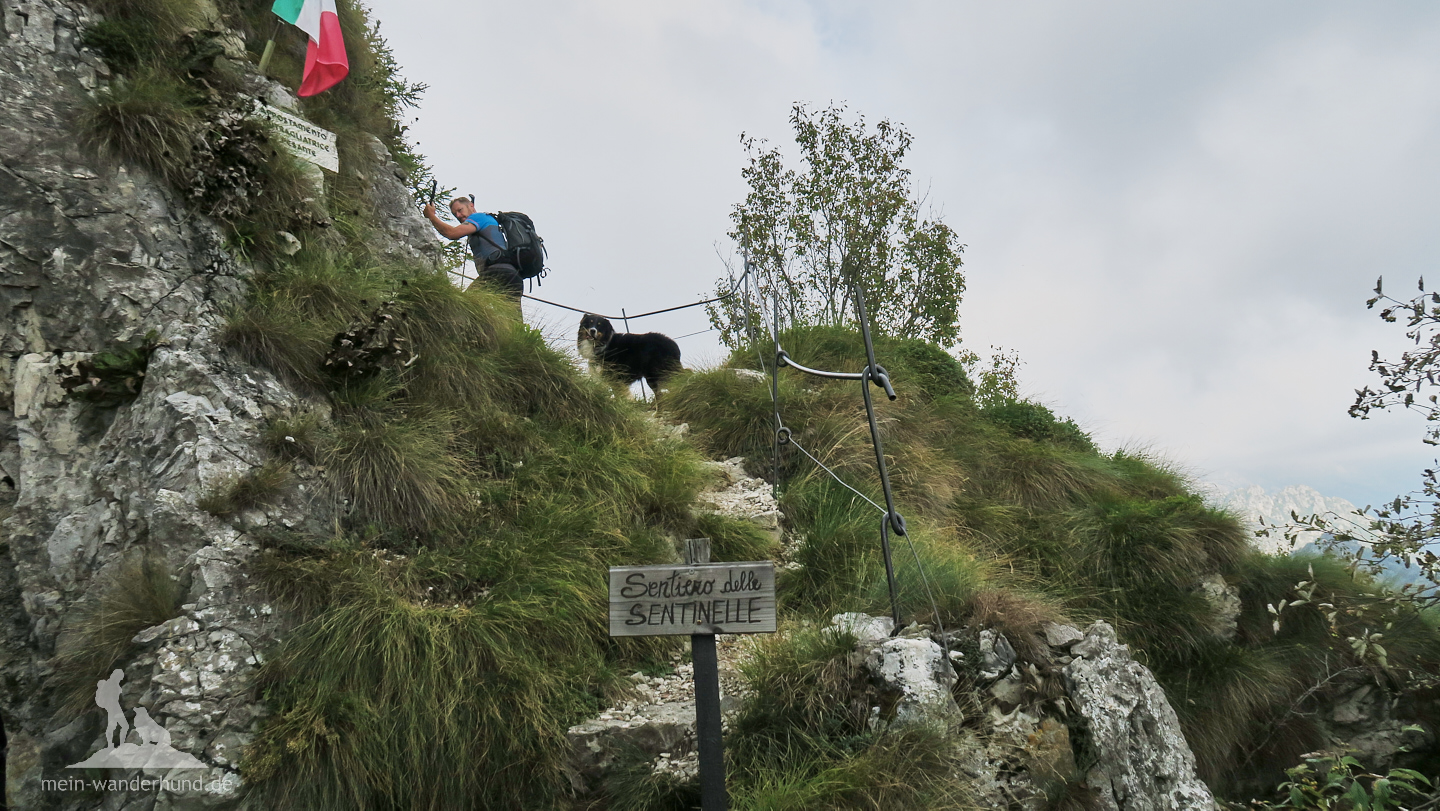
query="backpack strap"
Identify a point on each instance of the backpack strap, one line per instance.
(505, 252)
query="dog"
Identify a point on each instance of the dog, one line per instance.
(627, 357)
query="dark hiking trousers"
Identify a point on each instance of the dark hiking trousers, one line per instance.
(504, 278)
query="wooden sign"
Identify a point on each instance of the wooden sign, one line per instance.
(301, 138)
(689, 599)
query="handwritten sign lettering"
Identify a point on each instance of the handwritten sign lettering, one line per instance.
(707, 598)
(301, 138)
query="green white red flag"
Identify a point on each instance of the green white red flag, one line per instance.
(325, 61)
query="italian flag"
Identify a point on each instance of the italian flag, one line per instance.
(325, 62)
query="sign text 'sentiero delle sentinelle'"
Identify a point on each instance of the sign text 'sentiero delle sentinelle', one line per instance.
(707, 598)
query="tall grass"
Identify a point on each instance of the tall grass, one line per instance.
(149, 118)
(803, 741)
(1019, 520)
(138, 594)
(456, 627)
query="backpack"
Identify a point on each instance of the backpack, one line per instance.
(524, 248)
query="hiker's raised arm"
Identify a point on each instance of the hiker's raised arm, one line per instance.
(447, 230)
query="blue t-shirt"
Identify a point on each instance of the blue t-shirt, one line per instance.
(488, 241)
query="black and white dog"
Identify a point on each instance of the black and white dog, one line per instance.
(626, 357)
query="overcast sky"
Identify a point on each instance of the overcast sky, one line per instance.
(1173, 214)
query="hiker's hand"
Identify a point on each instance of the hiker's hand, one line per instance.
(429, 211)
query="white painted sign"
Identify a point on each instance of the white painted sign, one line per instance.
(301, 138)
(702, 598)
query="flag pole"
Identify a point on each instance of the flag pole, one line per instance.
(265, 57)
(269, 50)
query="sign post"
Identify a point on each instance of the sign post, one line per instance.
(701, 599)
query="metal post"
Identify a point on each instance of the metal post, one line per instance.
(707, 702)
(892, 519)
(775, 386)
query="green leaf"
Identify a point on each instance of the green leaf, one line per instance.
(1359, 797)
(1381, 790)
(1409, 774)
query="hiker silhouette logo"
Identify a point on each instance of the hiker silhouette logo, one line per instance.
(154, 750)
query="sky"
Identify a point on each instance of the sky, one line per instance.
(1174, 214)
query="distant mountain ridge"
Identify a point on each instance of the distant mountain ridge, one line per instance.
(1252, 504)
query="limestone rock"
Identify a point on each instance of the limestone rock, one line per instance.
(867, 629)
(1061, 636)
(406, 232)
(1143, 762)
(94, 255)
(741, 495)
(595, 744)
(997, 655)
(1224, 600)
(916, 672)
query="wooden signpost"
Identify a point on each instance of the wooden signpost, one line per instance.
(701, 599)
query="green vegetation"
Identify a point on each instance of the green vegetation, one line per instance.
(451, 625)
(148, 118)
(1018, 520)
(456, 625)
(1334, 781)
(846, 215)
(138, 594)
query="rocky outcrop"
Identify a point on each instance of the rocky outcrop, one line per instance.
(740, 495)
(94, 255)
(1224, 600)
(915, 676)
(1142, 759)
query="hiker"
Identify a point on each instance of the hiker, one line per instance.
(487, 244)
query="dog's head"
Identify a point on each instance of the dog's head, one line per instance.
(595, 331)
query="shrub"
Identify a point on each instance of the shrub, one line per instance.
(1029, 420)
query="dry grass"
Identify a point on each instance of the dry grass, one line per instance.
(254, 488)
(137, 594)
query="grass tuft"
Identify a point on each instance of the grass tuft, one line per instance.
(397, 465)
(254, 488)
(148, 118)
(140, 593)
(294, 438)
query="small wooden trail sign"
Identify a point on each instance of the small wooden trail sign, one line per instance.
(705, 598)
(701, 599)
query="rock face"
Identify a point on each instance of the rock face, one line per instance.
(93, 256)
(1142, 759)
(916, 673)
